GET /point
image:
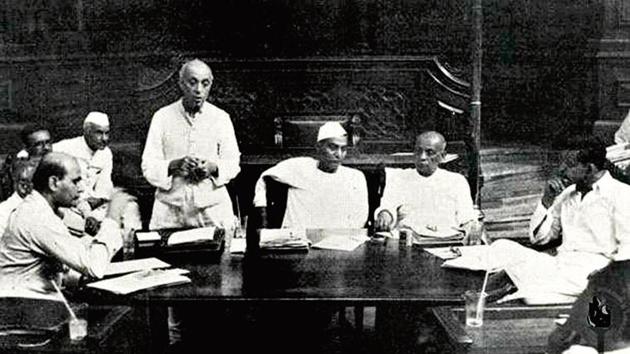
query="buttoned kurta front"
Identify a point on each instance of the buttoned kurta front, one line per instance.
(208, 135)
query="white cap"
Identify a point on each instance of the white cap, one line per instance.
(97, 118)
(331, 130)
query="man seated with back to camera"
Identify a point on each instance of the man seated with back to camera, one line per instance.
(36, 251)
(586, 210)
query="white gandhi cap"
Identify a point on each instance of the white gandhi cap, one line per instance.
(331, 130)
(97, 118)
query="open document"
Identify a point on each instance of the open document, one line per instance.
(141, 280)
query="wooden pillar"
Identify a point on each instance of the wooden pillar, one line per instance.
(475, 103)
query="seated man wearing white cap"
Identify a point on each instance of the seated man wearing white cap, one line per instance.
(95, 159)
(322, 193)
(427, 199)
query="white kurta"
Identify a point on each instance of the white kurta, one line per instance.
(595, 230)
(317, 199)
(34, 250)
(441, 200)
(6, 208)
(96, 166)
(208, 135)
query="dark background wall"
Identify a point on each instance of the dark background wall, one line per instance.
(541, 75)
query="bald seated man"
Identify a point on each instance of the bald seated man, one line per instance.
(322, 192)
(426, 199)
(22, 185)
(35, 250)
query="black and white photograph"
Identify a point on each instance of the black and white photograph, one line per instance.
(315, 176)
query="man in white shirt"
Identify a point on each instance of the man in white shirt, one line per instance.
(95, 159)
(22, 185)
(426, 199)
(322, 193)
(190, 155)
(591, 218)
(37, 245)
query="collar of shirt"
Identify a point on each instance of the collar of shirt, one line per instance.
(190, 118)
(601, 184)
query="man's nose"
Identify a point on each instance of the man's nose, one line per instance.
(423, 155)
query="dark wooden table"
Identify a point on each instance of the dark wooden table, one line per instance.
(506, 329)
(374, 274)
(369, 275)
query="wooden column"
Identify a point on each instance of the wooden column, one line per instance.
(475, 103)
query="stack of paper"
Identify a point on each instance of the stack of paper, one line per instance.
(283, 239)
(145, 279)
(135, 265)
(201, 234)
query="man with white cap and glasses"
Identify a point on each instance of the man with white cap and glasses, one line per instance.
(322, 193)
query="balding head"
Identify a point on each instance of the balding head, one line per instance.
(58, 179)
(195, 80)
(22, 174)
(429, 152)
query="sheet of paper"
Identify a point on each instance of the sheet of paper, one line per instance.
(135, 265)
(238, 245)
(341, 242)
(145, 279)
(445, 252)
(148, 236)
(473, 258)
(192, 235)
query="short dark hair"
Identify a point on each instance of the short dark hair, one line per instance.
(29, 129)
(50, 165)
(593, 151)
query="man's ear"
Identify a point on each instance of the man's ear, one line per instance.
(441, 155)
(53, 181)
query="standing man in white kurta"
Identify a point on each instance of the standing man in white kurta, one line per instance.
(190, 155)
(427, 199)
(322, 193)
(591, 217)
